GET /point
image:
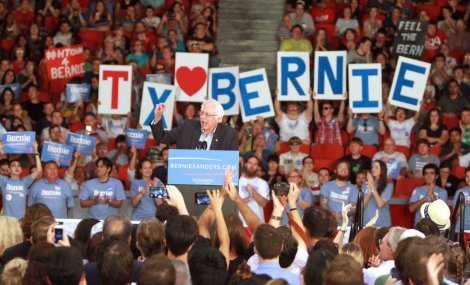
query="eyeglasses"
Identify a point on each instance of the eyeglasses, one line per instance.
(204, 114)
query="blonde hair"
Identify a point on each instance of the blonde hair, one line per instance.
(14, 272)
(10, 233)
(353, 250)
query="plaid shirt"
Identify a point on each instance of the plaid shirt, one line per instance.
(328, 132)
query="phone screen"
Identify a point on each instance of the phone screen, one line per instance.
(58, 233)
(158, 192)
(202, 198)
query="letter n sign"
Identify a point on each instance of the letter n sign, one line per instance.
(115, 89)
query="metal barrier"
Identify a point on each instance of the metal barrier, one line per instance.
(459, 207)
(358, 222)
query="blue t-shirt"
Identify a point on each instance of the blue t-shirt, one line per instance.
(384, 219)
(57, 196)
(421, 192)
(466, 192)
(14, 193)
(274, 270)
(339, 196)
(367, 130)
(112, 188)
(146, 207)
(304, 195)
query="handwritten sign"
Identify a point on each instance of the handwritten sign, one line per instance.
(65, 62)
(410, 39)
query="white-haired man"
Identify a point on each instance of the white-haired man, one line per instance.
(207, 132)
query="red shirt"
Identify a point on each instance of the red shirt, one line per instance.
(326, 16)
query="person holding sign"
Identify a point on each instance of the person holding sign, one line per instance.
(103, 195)
(400, 127)
(294, 122)
(144, 206)
(328, 125)
(208, 128)
(14, 188)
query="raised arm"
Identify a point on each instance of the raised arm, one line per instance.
(38, 170)
(247, 213)
(278, 109)
(71, 170)
(133, 160)
(309, 110)
(341, 109)
(350, 125)
(176, 200)
(217, 201)
(316, 110)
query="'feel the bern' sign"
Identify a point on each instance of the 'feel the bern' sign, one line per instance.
(410, 39)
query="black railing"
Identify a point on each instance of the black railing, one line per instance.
(358, 222)
(459, 208)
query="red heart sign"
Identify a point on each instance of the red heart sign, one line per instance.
(191, 81)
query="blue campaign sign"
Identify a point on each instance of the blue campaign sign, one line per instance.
(60, 153)
(136, 138)
(82, 143)
(409, 83)
(255, 95)
(15, 87)
(223, 87)
(201, 167)
(293, 76)
(329, 80)
(77, 92)
(18, 142)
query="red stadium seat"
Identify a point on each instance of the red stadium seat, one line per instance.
(400, 214)
(51, 23)
(327, 151)
(148, 144)
(7, 45)
(433, 11)
(25, 172)
(305, 148)
(320, 163)
(451, 122)
(74, 127)
(459, 172)
(283, 148)
(368, 150)
(62, 172)
(111, 144)
(436, 150)
(122, 171)
(91, 39)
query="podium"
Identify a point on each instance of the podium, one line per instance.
(194, 171)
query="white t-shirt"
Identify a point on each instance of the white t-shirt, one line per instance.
(261, 187)
(290, 162)
(114, 127)
(289, 128)
(401, 132)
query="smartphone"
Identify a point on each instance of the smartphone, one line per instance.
(89, 129)
(158, 192)
(58, 233)
(201, 198)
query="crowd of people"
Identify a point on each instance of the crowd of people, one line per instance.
(294, 203)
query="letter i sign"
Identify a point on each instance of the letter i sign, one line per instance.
(115, 89)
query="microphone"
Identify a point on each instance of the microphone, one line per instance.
(204, 145)
(199, 145)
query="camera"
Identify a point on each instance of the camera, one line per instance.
(281, 188)
(201, 198)
(58, 233)
(158, 192)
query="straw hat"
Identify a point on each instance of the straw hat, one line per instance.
(438, 212)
